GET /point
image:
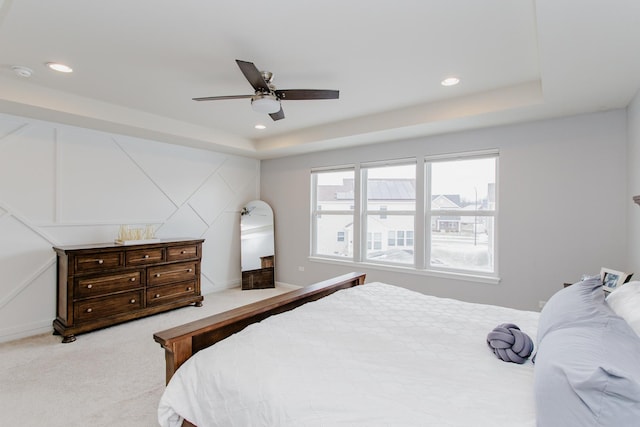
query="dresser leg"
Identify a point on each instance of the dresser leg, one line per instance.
(198, 304)
(68, 338)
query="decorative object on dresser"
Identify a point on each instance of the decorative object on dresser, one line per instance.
(257, 246)
(100, 285)
(133, 236)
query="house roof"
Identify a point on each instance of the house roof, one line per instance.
(139, 64)
(377, 189)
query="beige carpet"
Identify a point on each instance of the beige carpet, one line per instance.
(110, 377)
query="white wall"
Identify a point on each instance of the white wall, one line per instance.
(562, 206)
(62, 185)
(633, 185)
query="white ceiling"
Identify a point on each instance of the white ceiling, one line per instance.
(138, 64)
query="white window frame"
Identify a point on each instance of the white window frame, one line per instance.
(429, 213)
(422, 220)
(384, 212)
(317, 212)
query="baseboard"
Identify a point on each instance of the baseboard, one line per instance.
(287, 285)
(24, 331)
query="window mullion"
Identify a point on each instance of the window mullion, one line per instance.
(358, 231)
(314, 218)
(426, 216)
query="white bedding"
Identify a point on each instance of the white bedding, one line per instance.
(372, 355)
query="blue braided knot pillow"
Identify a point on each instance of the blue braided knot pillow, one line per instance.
(509, 343)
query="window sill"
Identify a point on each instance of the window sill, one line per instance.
(469, 277)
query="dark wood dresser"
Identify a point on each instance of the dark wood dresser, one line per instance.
(100, 285)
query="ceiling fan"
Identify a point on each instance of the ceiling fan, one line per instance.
(266, 98)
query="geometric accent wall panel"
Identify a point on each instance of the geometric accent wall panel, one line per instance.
(22, 253)
(239, 172)
(73, 233)
(10, 124)
(184, 222)
(223, 266)
(64, 185)
(27, 157)
(93, 168)
(177, 170)
(209, 207)
(15, 319)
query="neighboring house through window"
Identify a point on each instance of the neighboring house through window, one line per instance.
(436, 214)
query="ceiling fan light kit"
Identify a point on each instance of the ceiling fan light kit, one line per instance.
(265, 103)
(266, 98)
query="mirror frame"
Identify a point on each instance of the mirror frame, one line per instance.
(256, 217)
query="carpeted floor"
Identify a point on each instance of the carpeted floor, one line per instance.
(110, 377)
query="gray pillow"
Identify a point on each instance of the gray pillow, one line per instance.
(573, 305)
(587, 367)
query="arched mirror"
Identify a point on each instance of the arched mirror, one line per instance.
(257, 246)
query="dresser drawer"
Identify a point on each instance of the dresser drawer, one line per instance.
(163, 294)
(177, 253)
(180, 272)
(99, 261)
(100, 285)
(97, 308)
(145, 256)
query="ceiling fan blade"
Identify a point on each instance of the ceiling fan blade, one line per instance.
(216, 98)
(302, 94)
(253, 75)
(278, 115)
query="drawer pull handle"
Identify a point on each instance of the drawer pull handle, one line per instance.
(183, 252)
(133, 279)
(157, 274)
(89, 310)
(157, 296)
(133, 301)
(189, 270)
(189, 288)
(146, 256)
(100, 261)
(89, 286)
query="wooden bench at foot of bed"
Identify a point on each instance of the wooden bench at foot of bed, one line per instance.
(183, 341)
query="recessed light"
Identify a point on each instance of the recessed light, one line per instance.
(260, 127)
(450, 81)
(59, 67)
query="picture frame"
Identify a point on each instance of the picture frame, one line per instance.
(611, 279)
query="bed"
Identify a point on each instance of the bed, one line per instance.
(376, 354)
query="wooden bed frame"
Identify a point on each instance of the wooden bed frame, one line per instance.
(181, 342)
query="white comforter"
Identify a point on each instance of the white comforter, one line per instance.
(373, 355)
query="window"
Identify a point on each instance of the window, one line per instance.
(409, 241)
(374, 241)
(397, 238)
(389, 205)
(461, 213)
(438, 217)
(332, 213)
(383, 214)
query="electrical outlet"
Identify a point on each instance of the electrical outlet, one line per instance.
(300, 268)
(541, 304)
